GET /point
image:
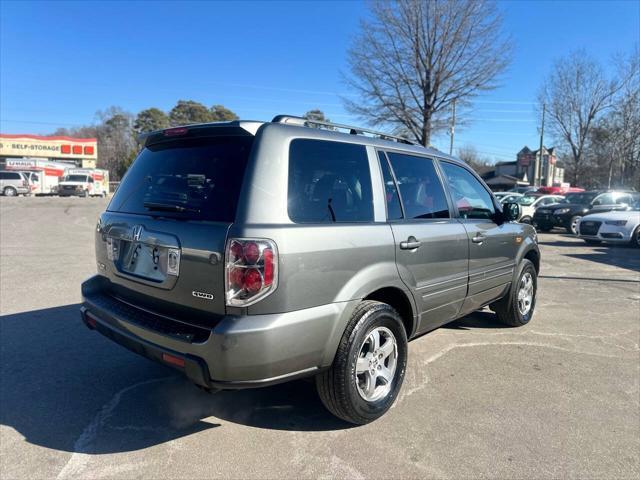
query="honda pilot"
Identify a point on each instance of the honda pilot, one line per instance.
(246, 254)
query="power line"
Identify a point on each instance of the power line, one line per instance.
(506, 102)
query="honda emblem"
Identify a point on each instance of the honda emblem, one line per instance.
(137, 231)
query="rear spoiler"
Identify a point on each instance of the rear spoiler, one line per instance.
(234, 128)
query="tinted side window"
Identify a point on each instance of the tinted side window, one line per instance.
(329, 182)
(394, 210)
(3, 175)
(471, 198)
(420, 188)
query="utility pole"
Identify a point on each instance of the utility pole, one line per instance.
(452, 128)
(538, 165)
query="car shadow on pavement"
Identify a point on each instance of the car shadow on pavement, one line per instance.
(67, 388)
(620, 256)
(476, 320)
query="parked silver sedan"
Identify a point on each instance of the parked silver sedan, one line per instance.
(614, 227)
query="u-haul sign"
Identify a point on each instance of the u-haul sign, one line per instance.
(48, 147)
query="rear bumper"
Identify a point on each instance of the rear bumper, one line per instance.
(194, 368)
(239, 351)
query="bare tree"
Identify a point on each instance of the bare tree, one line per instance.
(469, 154)
(415, 58)
(626, 122)
(575, 93)
(116, 142)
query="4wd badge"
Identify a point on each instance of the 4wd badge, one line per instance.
(203, 295)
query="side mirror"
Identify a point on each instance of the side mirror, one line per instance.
(510, 212)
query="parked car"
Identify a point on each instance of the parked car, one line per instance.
(510, 197)
(559, 190)
(615, 200)
(524, 190)
(500, 195)
(565, 215)
(529, 203)
(612, 227)
(246, 254)
(568, 215)
(14, 183)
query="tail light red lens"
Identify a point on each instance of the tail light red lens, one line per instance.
(252, 280)
(269, 269)
(173, 360)
(251, 252)
(251, 270)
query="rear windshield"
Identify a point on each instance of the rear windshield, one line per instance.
(196, 179)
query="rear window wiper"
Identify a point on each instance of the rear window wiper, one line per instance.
(169, 207)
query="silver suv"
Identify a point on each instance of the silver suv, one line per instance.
(13, 183)
(247, 254)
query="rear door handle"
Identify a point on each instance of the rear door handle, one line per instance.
(479, 238)
(410, 244)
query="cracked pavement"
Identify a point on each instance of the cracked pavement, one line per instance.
(556, 398)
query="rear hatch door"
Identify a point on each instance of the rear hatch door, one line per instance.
(164, 232)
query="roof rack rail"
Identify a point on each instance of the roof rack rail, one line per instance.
(306, 122)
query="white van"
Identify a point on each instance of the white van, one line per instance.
(84, 182)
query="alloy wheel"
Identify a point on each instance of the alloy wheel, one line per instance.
(376, 365)
(525, 294)
(574, 225)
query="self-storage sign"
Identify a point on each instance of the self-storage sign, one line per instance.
(48, 147)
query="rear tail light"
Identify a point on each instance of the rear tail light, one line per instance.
(173, 360)
(251, 271)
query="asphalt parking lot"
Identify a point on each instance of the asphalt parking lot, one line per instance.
(557, 398)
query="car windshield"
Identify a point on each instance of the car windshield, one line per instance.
(526, 200)
(196, 179)
(75, 178)
(510, 198)
(582, 198)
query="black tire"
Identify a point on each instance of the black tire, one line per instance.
(337, 386)
(10, 192)
(526, 220)
(635, 237)
(506, 309)
(571, 228)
